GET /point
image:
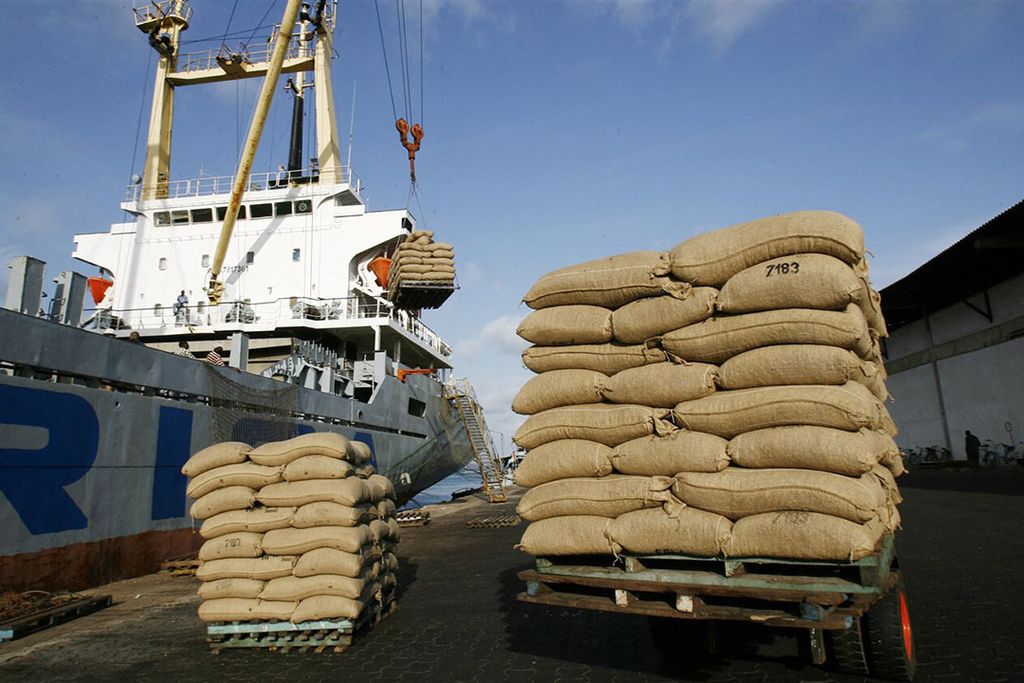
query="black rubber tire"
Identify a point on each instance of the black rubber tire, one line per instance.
(890, 637)
(673, 637)
(848, 652)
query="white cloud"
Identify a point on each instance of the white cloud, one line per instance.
(722, 22)
(635, 14)
(496, 337)
(958, 135)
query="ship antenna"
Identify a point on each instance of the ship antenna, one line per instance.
(352, 126)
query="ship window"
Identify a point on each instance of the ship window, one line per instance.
(283, 209)
(205, 261)
(250, 257)
(162, 218)
(222, 211)
(163, 263)
(303, 206)
(202, 215)
(417, 408)
(296, 254)
(261, 210)
(179, 217)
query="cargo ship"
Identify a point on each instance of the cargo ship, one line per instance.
(278, 274)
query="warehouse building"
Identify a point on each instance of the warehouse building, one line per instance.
(955, 354)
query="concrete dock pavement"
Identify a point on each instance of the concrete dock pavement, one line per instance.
(458, 619)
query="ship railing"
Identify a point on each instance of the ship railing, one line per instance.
(279, 313)
(209, 185)
(146, 14)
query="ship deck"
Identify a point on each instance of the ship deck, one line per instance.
(458, 618)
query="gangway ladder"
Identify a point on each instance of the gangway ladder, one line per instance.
(461, 393)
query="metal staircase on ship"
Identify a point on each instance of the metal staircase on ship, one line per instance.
(460, 392)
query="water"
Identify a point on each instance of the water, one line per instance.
(468, 478)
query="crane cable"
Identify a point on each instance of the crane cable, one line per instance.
(401, 123)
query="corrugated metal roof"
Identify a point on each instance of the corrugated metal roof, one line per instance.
(984, 257)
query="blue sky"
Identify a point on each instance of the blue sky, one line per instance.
(557, 132)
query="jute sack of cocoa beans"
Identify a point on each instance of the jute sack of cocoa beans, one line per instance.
(607, 424)
(679, 306)
(608, 496)
(801, 535)
(562, 325)
(564, 459)
(609, 282)
(567, 535)
(672, 528)
(712, 258)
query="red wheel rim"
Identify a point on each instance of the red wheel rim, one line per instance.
(907, 632)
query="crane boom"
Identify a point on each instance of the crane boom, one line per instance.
(259, 118)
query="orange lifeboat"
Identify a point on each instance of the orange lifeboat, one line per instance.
(98, 287)
(380, 267)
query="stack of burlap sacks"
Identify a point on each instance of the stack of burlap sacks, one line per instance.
(420, 259)
(295, 530)
(724, 398)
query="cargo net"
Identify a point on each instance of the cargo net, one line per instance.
(250, 415)
(422, 273)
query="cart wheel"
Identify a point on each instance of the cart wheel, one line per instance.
(848, 650)
(890, 636)
(672, 637)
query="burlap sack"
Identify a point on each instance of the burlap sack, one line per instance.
(728, 413)
(295, 588)
(378, 530)
(722, 337)
(796, 281)
(560, 325)
(298, 541)
(888, 482)
(603, 358)
(379, 487)
(890, 454)
(390, 562)
(258, 519)
(231, 588)
(359, 453)
(735, 492)
(673, 528)
(443, 253)
(366, 471)
(812, 448)
(243, 474)
(326, 607)
(570, 535)
(261, 568)
(244, 609)
(798, 535)
(238, 544)
(714, 257)
(871, 304)
(680, 306)
(885, 421)
(217, 455)
(222, 500)
(324, 513)
(799, 364)
(559, 388)
(433, 275)
(316, 443)
(349, 491)
(607, 424)
(386, 509)
(394, 531)
(609, 282)
(661, 385)
(330, 561)
(680, 451)
(317, 467)
(564, 459)
(608, 496)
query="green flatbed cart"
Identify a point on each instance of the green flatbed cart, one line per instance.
(855, 613)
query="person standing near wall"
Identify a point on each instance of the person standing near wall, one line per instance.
(972, 445)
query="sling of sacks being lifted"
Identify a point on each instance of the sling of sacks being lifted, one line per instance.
(294, 530)
(775, 379)
(420, 259)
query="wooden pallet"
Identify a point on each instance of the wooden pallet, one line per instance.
(183, 565)
(333, 635)
(21, 626)
(802, 594)
(412, 517)
(493, 522)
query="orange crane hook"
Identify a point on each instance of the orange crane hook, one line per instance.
(412, 147)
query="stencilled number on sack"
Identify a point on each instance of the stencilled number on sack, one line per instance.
(792, 517)
(232, 542)
(791, 268)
